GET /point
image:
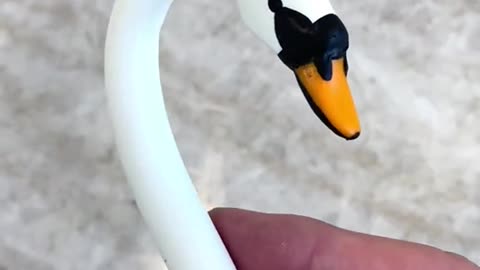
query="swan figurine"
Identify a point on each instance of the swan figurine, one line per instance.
(306, 35)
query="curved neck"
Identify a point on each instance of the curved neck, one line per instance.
(154, 168)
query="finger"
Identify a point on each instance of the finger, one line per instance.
(258, 241)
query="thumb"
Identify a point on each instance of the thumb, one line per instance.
(258, 241)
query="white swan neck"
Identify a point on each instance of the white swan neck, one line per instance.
(313, 9)
(164, 192)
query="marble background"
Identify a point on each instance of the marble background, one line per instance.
(246, 133)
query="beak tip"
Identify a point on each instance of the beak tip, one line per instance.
(353, 137)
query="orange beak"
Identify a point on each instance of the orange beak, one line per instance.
(331, 100)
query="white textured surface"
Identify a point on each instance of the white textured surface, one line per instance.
(247, 135)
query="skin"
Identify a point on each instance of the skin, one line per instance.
(259, 241)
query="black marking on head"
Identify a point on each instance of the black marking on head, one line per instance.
(303, 41)
(275, 5)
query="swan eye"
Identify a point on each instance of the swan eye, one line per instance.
(331, 36)
(297, 21)
(293, 29)
(303, 41)
(294, 34)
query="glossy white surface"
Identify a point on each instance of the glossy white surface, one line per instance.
(163, 190)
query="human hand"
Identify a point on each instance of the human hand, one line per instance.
(258, 241)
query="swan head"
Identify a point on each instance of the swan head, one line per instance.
(312, 41)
